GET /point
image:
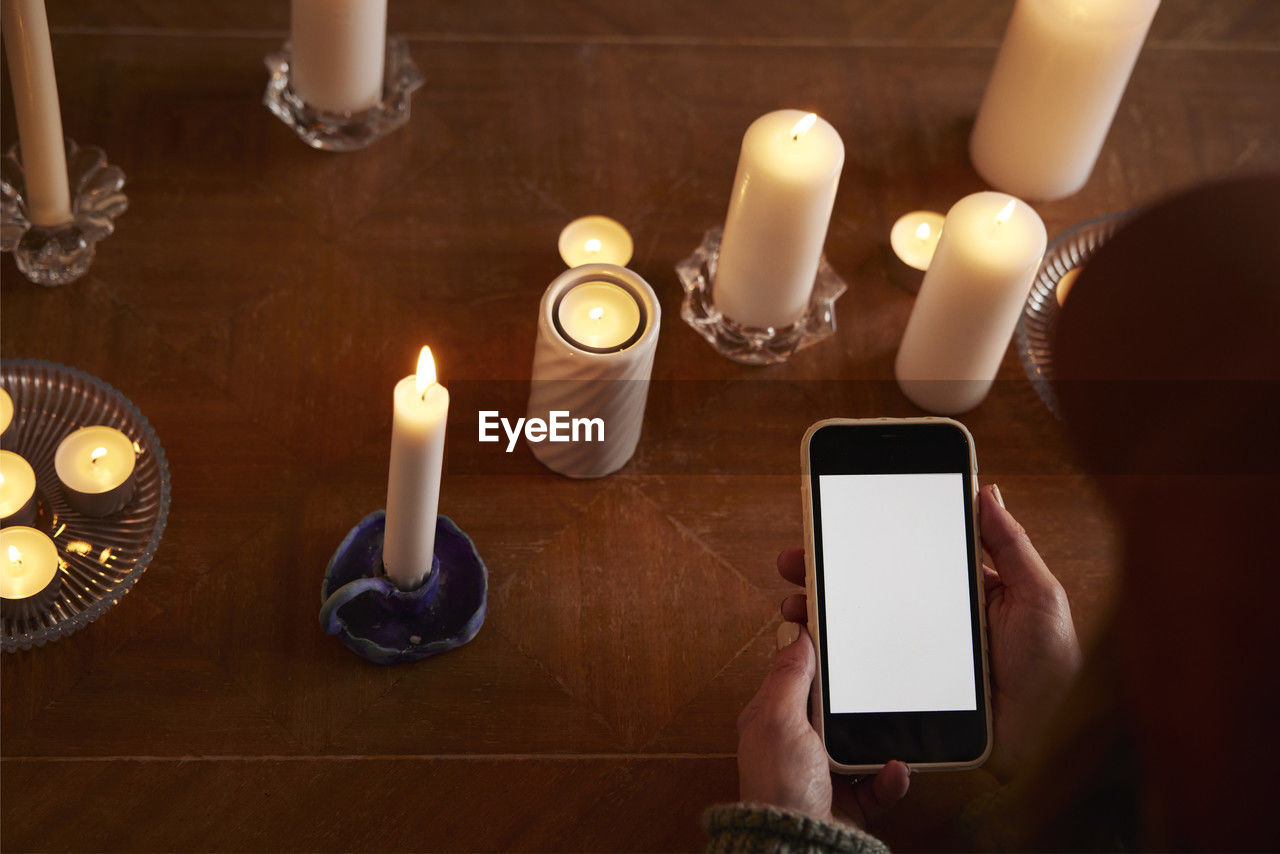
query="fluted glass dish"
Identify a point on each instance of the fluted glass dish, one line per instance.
(103, 557)
(1034, 334)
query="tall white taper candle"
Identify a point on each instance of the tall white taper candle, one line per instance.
(421, 410)
(336, 53)
(1058, 79)
(35, 100)
(969, 302)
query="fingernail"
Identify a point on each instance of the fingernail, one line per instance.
(788, 633)
(995, 493)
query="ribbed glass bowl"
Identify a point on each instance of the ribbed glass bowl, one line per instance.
(1034, 334)
(104, 557)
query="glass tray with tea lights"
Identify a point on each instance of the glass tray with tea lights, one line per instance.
(99, 558)
(1063, 260)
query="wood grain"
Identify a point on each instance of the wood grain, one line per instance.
(260, 300)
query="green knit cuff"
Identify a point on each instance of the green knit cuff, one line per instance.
(762, 828)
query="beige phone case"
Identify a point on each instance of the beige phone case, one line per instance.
(810, 582)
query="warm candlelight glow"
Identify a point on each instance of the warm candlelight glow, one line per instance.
(426, 375)
(15, 556)
(97, 454)
(1006, 212)
(922, 232)
(592, 245)
(802, 126)
(596, 313)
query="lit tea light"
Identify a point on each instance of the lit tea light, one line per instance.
(6, 410)
(914, 237)
(595, 240)
(599, 317)
(17, 491)
(96, 467)
(1066, 283)
(29, 578)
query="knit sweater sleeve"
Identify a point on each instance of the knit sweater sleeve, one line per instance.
(771, 830)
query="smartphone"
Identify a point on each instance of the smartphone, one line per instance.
(895, 594)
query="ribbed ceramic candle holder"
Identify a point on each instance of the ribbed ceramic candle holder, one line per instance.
(585, 386)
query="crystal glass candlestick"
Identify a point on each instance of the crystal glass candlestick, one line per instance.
(56, 255)
(329, 131)
(745, 344)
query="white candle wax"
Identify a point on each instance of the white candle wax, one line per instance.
(781, 205)
(1065, 284)
(17, 489)
(336, 53)
(599, 316)
(95, 466)
(969, 302)
(595, 240)
(35, 101)
(6, 410)
(914, 237)
(28, 562)
(1058, 79)
(421, 410)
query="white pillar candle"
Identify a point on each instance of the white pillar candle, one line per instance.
(35, 101)
(96, 467)
(781, 205)
(29, 579)
(597, 334)
(421, 411)
(6, 410)
(595, 240)
(336, 53)
(969, 302)
(1057, 81)
(17, 490)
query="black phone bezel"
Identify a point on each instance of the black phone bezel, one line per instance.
(862, 739)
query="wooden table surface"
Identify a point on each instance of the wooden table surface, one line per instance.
(260, 300)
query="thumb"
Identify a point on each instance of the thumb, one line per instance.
(785, 690)
(1016, 560)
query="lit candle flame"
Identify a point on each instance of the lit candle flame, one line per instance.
(923, 231)
(596, 313)
(802, 126)
(426, 374)
(593, 245)
(15, 556)
(97, 454)
(1006, 212)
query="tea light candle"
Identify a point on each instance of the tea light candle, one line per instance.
(595, 240)
(599, 317)
(420, 413)
(29, 579)
(913, 239)
(607, 384)
(781, 205)
(1065, 284)
(969, 302)
(337, 53)
(17, 491)
(96, 467)
(6, 410)
(1058, 79)
(35, 101)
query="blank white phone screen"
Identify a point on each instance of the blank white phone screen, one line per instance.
(896, 572)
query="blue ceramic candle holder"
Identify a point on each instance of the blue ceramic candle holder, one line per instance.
(386, 625)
